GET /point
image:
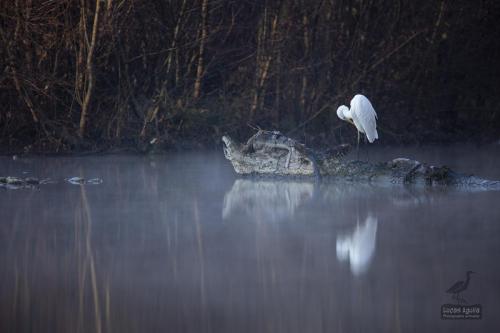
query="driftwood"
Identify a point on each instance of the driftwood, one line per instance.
(270, 153)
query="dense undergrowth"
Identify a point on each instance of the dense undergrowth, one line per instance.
(93, 74)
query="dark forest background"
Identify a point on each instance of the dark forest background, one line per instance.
(87, 74)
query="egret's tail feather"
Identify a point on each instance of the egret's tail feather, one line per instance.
(372, 136)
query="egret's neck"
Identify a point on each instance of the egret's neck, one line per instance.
(348, 116)
(348, 113)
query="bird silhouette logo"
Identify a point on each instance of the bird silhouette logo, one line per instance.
(460, 286)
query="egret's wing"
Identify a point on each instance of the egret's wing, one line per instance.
(364, 116)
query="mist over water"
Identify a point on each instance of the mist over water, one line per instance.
(179, 243)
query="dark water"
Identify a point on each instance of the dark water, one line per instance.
(177, 243)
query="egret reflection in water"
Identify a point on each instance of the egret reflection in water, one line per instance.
(358, 247)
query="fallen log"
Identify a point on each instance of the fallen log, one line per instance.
(270, 153)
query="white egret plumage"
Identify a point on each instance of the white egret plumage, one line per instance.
(362, 115)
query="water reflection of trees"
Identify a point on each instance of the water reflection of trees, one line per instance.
(57, 284)
(83, 256)
(149, 249)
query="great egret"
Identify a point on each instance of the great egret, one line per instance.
(362, 115)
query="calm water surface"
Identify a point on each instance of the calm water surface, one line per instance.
(177, 243)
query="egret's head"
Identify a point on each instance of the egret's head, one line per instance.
(341, 111)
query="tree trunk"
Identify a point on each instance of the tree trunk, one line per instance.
(203, 37)
(263, 61)
(89, 68)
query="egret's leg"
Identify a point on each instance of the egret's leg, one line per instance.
(365, 141)
(357, 148)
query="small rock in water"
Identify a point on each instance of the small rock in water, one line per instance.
(32, 181)
(20, 183)
(17, 183)
(48, 181)
(94, 181)
(76, 180)
(83, 181)
(14, 181)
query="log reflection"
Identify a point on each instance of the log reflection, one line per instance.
(266, 200)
